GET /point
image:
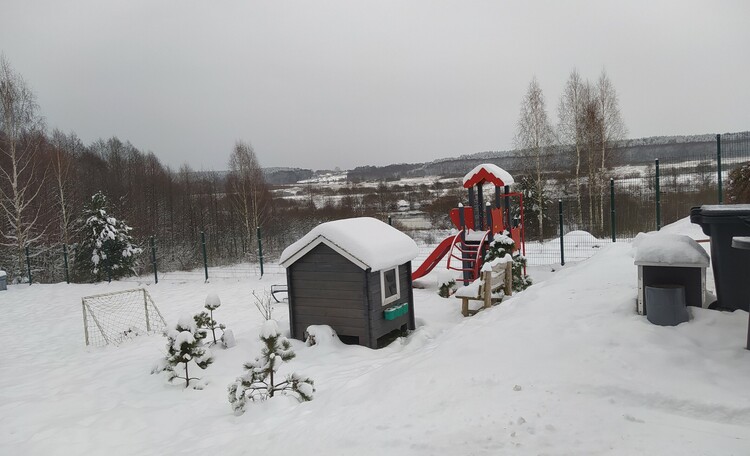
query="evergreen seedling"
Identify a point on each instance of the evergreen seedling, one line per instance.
(184, 345)
(260, 379)
(206, 319)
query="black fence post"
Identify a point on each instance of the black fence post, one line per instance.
(562, 239)
(205, 258)
(612, 209)
(718, 166)
(390, 220)
(65, 263)
(28, 263)
(260, 250)
(153, 259)
(658, 197)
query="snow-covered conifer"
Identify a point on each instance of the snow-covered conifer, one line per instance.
(259, 381)
(184, 347)
(206, 320)
(106, 250)
(502, 244)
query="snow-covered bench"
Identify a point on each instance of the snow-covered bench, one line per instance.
(495, 281)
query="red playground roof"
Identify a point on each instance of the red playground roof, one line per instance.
(488, 173)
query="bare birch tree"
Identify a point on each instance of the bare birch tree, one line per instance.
(590, 146)
(20, 179)
(63, 153)
(570, 128)
(247, 188)
(612, 130)
(534, 136)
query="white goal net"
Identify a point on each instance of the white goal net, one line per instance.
(110, 318)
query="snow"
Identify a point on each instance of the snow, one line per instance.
(657, 248)
(564, 367)
(714, 210)
(2, 273)
(213, 301)
(270, 328)
(494, 170)
(370, 241)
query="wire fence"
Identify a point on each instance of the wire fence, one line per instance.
(615, 208)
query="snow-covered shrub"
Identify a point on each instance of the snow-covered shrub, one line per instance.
(738, 189)
(322, 335)
(184, 348)
(502, 244)
(205, 320)
(106, 249)
(260, 379)
(447, 288)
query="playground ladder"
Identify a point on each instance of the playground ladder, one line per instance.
(469, 254)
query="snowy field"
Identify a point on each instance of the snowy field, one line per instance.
(564, 368)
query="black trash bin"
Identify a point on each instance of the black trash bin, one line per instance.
(722, 223)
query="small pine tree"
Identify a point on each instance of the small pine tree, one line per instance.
(106, 250)
(206, 320)
(502, 245)
(259, 382)
(184, 345)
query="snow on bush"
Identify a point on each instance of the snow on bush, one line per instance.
(320, 335)
(260, 380)
(502, 244)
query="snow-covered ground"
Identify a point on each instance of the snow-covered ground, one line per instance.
(566, 367)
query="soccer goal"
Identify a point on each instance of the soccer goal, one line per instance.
(110, 318)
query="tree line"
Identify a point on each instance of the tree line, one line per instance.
(47, 178)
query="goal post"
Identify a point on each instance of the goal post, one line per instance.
(110, 318)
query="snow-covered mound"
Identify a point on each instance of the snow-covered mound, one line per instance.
(565, 367)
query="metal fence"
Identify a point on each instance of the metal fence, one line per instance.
(637, 199)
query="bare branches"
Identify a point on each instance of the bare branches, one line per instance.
(20, 180)
(534, 136)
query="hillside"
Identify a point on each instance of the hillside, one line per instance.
(637, 151)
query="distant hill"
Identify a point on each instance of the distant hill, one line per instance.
(637, 151)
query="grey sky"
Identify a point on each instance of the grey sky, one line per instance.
(320, 84)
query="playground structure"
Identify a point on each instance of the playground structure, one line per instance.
(478, 223)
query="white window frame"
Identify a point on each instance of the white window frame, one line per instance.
(389, 299)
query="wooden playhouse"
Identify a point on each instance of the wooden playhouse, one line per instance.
(353, 275)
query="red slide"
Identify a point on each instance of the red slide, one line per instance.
(434, 258)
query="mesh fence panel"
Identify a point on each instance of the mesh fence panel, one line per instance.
(111, 318)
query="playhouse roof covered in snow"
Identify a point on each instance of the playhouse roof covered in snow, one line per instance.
(365, 241)
(490, 173)
(663, 249)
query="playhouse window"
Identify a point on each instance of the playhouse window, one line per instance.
(389, 287)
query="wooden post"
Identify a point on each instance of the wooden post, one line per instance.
(508, 279)
(487, 288)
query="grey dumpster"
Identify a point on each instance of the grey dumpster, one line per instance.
(743, 243)
(722, 223)
(3, 281)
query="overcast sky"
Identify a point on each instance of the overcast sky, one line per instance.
(321, 84)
